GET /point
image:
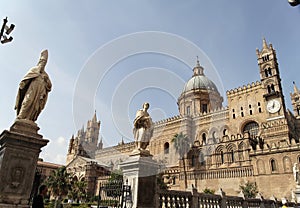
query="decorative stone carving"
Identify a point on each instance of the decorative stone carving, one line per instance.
(33, 91)
(143, 128)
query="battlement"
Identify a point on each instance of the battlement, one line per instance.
(167, 120)
(243, 89)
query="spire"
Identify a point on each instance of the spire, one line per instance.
(295, 88)
(265, 45)
(94, 117)
(198, 69)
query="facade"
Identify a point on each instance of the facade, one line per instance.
(255, 138)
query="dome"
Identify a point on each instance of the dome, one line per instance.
(199, 82)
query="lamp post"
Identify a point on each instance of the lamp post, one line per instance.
(7, 30)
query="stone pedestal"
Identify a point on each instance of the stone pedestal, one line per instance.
(19, 152)
(140, 170)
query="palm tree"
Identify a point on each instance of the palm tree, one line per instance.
(59, 183)
(78, 190)
(182, 145)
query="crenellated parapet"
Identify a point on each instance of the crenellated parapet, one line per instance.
(167, 120)
(244, 89)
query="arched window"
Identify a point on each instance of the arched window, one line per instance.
(188, 110)
(269, 71)
(272, 88)
(225, 132)
(222, 156)
(166, 148)
(266, 73)
(273, 165)
(251, 127)
(203, 138)
(231, 154)
(269, 89)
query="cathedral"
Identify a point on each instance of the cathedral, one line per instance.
(253, 139)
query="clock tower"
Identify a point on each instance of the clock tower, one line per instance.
(271, 81)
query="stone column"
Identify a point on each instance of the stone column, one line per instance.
(140, 170)
(19, 152)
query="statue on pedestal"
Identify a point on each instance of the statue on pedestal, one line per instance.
(33, 91)
(143, 128)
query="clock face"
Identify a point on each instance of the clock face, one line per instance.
(273, 106)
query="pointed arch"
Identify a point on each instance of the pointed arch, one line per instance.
(231, 151)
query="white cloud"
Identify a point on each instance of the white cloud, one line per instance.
(61, 141)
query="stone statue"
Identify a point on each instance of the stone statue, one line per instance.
(296, 173)
(33, 91)
(143, 127)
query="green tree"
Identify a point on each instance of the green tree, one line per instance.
(182, 145)
(113, 187)
(78, 190)
(208, 191)
(249, 189)
(59, 183)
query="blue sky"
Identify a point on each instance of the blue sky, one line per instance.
(77, 32)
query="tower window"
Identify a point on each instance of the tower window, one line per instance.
(269, 89)
(273, 165)
(249, 106)
(232, 110)
(259, 110)
(258, 103)
(298, 110)
(204, 138)
(241, 108)
(250, 112)
(269, 71)
(266, 73)
(266, 58)
(188, 110)
(204, 108)
(233, 116)
(272, 88)
(166, 148)
(242, 114)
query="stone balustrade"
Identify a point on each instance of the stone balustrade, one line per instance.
(194, 199)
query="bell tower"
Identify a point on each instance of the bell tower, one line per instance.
(295, 97)
(271, 81)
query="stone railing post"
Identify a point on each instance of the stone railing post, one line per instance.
(245, 203)
(221, 193)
